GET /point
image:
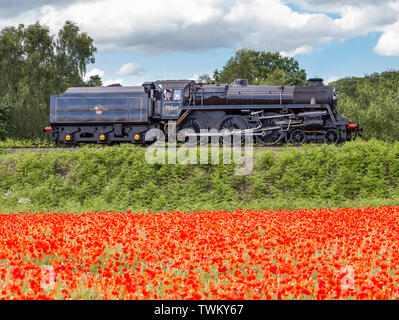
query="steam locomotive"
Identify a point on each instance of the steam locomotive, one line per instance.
(271, 114)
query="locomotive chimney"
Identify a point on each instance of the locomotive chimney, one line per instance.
(315, 82)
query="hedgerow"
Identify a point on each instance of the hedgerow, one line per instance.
(119, 178)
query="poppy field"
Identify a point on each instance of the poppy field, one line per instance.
(299, 254)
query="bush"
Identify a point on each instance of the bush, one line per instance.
(373, 102)
(119, 178)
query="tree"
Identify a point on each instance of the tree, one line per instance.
(39, 55)
(205, 78)
(275, 78)
(74, 51)
(373, 102)
(259, 66)
(4, 120)
(242, 65)
(34, 65)
(11, 60)
(94, 81)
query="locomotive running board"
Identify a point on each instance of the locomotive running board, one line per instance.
(252, 131)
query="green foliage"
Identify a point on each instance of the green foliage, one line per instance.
(205, 78)
(372, 101)
(261, 67)
(354, 170)
(26, 143)
(119, 178)
(94, 81)
(35, 65)
(4, 120)
(275, 78)
(74, 52)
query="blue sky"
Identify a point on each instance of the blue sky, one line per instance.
(339, 59)
(141, 41)
(352, 57)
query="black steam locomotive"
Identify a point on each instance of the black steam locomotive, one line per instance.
(272, 114)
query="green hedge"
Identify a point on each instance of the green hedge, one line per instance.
(119, 178)
(24, 143)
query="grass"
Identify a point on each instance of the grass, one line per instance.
(119, 178)
(23, 143)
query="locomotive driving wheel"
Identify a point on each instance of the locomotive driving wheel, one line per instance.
(190, 126)
(230, 125)
(297, 137)
(331, 136)
(269, 137)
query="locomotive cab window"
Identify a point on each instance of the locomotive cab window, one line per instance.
(172, 95)
(167, 95)
(177, 95)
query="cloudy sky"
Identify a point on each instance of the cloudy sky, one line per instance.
(178, 39)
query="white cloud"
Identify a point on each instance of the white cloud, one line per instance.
(388, 44)
(335, 6)
(101, 73)
(93, 72)
(300, 50)
(130, 69)
(331, 79)
(194, 77)
(11, 8)
(361, 20)
(160, 26)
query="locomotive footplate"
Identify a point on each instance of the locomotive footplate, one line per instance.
(247, 132)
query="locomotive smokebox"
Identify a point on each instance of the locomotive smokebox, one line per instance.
(314, 93)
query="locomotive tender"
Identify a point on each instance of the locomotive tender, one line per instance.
(272, 114)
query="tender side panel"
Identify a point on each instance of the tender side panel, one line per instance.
(100, 109)
(100, 105)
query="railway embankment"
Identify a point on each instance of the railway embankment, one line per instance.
(120, 178)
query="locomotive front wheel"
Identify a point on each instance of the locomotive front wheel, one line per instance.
(230, 125)
(297, 137)
(331, 136)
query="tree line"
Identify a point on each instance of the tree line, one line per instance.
(259, 68)
(373, 102)
(35, 64)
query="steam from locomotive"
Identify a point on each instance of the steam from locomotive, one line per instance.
(271, 114)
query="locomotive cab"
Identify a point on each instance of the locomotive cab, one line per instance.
(171, 103)
(166, 100)
(175, 93)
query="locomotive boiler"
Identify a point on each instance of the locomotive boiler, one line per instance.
(271, 114)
